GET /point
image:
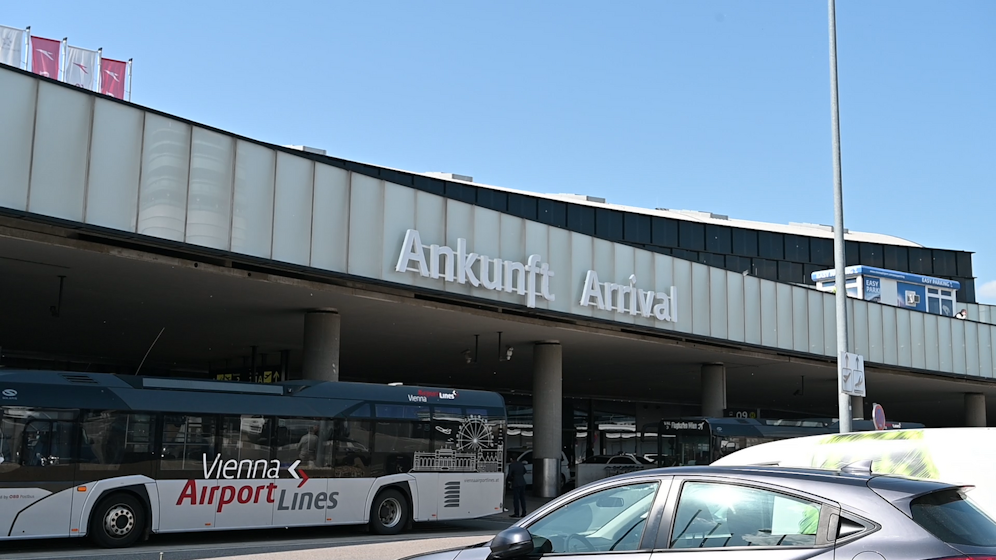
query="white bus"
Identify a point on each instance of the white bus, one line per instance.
(116, 458)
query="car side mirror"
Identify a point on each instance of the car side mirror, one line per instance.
(514, 542)
(609, 502)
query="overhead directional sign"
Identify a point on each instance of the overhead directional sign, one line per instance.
(852, 367)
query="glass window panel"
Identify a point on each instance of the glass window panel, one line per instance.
(352, 454)
(821, 251)
(115, 155)
(896, 258)
(247, 438)
(853, 253)
(112, 439)
(434, 186)
(58, 163)
(718, 239)
(553, 212)
(797, 248)
(770, 245)
(963, 261)
(608, 520)
(494, 200)
(608, 224)
(691, 235)
(522, 206)
(292, 215)
(744, 242)
(664, 232)
(395, 444)
(162, 201)
(713, 515)
(764, 268)
(581, 219)
(252, 223)
(920, 261)
(187, 440)
(17, 112)
(944, 263)
(402, 411)
(636, 228)
(209, 202)
(36, 438)
(872, 254)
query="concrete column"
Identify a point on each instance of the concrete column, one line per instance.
(713, 389)
(858, 408)
(321, 345)
(975, 410)
(548, 402)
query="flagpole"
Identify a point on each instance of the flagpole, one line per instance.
(27, 46)
(63, 59)
(129, 79)
(100, 66)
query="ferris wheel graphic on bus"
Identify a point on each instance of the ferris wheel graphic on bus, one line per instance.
(476, 446)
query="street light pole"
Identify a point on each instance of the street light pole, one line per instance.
(840, 281)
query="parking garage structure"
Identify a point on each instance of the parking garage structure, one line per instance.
(137, 242)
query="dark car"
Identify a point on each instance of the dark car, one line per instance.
(767, 513)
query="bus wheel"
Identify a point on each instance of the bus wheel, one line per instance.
(389, 513)
(117, 521)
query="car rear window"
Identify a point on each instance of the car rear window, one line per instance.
(950, 516)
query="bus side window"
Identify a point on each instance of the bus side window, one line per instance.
(113, 438)
(187, 441)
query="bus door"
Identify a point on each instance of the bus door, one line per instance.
(188, 494)
(112, 445)
(37, 456)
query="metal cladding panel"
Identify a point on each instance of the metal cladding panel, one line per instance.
(664, 279)
(783, 310)
(582, 260)
(769, 314)
(904, 337)
(292, 209)
(931, 343)
(876, 352)
(115, 166)
(645, 280)
(752, 310)
(985, 333)
(918, 357)
(58, 163)
(209, 202)
(992, 342)
(944, 345)
(814, 301)
(800, 319)
(682, 271)
(985, 313)
(560, 283)
(719, 317)
(430, 221)
(624, 266)
(735, 306)
(537, 242)
(459, 224)
(958, 350)
(971, 348)
(857, 314)
(162, 197)
(513, 245)
(830, 325)
(486, 243)
(890, 346)
(252, 215)
(399, 211)
(603, 258)
(700, 299)
(17, 120)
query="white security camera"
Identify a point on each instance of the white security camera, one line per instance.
(508, 353)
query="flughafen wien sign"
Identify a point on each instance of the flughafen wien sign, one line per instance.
(529, 279)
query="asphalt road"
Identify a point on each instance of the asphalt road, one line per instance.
(313, 543)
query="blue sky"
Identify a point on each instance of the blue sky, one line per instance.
(721, 106)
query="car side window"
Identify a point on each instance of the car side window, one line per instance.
(608, 520)
(715, 515)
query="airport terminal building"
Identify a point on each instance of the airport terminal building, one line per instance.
(132, 241)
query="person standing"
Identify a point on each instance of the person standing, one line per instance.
(517, 475)
(307, 448)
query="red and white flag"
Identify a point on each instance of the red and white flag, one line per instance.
(11, 46)
(45, 57)
(112, 77)
(81, 68)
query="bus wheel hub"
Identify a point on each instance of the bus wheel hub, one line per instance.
(119, 521)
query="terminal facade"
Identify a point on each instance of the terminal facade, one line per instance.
(141, 243)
